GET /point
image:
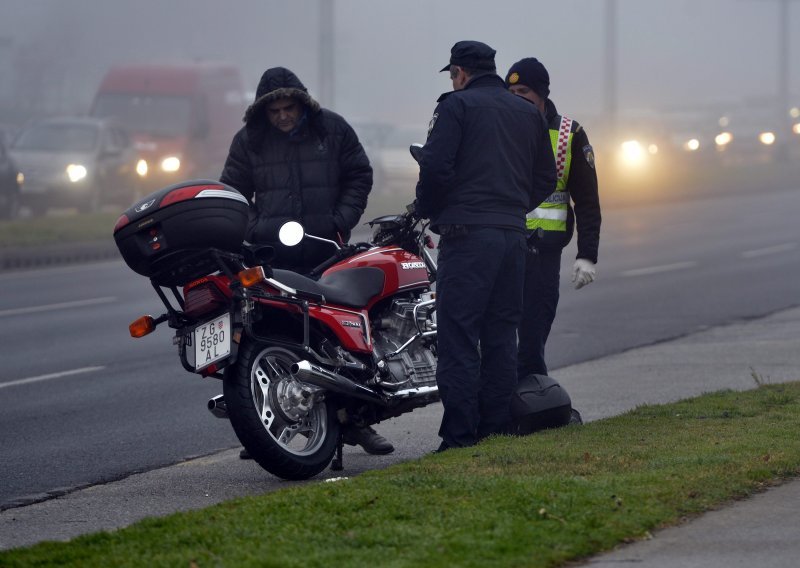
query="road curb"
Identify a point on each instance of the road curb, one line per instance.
(57, 254)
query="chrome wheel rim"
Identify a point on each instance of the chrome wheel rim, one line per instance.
(287, 409)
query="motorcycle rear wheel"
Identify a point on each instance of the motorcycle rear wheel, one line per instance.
(283, 433)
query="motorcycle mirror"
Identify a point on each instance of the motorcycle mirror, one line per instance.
(416, 151)
(291, 233)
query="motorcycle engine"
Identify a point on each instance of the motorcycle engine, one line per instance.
(415, 366)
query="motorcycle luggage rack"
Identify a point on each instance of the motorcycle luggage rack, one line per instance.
(188, 266)
(302, 304)
(193, 265)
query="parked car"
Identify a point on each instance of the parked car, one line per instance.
(10, 180)
(79, 162)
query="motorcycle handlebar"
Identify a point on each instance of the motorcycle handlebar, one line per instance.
(344, 252)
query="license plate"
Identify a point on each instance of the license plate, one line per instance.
(212, 341)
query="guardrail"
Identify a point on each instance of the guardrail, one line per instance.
(57, 254)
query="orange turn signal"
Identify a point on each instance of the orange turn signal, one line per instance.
(251, 276)
(142, 326)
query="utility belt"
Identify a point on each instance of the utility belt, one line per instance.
(452, 230)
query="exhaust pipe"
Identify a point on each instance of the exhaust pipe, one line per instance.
(328, 380)
(216, 406)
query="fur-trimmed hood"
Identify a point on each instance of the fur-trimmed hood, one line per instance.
(278, 83)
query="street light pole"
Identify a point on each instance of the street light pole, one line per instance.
(782, 101)
(326, 53)
(784, 125)
(610, 99)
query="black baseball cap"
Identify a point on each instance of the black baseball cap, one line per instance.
(472, 54)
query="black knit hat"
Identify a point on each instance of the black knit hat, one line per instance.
(531, 73)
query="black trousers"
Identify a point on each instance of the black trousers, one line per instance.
(540, 301)
(478, 303)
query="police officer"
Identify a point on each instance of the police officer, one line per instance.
(486, 162)
(577, 182)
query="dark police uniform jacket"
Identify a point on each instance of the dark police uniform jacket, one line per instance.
(582, 189)
(487, 160)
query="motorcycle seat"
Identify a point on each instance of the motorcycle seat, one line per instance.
(353, 287)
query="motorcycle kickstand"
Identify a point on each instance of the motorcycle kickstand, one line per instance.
(337, 463)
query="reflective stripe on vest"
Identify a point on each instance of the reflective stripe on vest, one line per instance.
(551, 215)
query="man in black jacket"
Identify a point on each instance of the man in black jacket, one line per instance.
(577, 182)
(486, 162)
(297, 161)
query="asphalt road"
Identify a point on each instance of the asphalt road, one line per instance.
(83, 403)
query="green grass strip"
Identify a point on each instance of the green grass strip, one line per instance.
(57, 229)
(542, 500)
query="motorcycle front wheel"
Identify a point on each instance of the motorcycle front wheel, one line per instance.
(286, 427)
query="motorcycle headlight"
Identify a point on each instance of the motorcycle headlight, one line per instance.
(76, 172)
(141, 168)
(171, 164)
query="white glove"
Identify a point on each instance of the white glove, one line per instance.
(583, 273)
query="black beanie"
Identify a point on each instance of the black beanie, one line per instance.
(531, 73)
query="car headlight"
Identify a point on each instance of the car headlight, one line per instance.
(141, 167)
(171, 164)
(692, 145)
(76, 172)
(633, 154)
(723, 139)
(767, 138)
(20, 178)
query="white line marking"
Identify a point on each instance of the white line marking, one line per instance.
(50, 376)
(658, 269)
(59, 306)
(769, 250)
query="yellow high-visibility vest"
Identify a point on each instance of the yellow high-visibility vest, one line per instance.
(551, 215)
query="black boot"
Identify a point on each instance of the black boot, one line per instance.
(367, 438)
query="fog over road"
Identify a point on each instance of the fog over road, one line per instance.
(83, 403)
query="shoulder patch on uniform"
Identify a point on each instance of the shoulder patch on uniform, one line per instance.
(588, 152)
(432, 123)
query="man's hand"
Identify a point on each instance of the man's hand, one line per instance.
(583, 273)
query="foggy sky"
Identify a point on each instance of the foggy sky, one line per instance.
(387, 54)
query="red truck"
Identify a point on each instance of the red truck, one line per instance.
(181, 116)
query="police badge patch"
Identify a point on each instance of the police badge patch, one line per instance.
(431, 123)
(589, 153)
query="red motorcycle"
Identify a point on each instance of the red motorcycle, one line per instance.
(298, 356)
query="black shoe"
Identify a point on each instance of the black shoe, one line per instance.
(367, 438)
(443, 447)
(245, 455)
